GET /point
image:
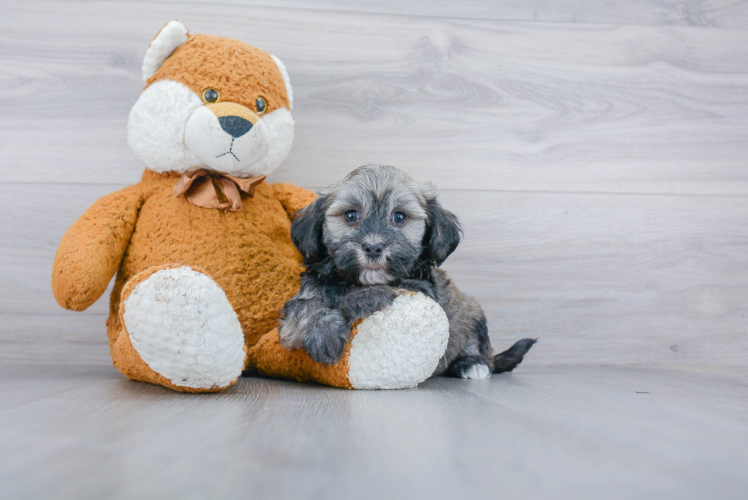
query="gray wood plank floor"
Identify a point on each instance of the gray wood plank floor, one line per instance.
(571, 432)
(597, 154)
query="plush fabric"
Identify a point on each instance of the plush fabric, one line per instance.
(132, 362)
(172, 35)
(396, 348)
(157, 124)
(271, 359)
(286, 80)
(199, 284)
(204, 60)
(195, 287)
(248, 253)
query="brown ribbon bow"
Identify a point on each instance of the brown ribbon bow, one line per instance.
(214, 189)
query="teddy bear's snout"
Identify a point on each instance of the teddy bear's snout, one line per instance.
(235, 119)
(227, 136)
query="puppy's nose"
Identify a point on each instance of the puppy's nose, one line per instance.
(373, 250)
(235, 126)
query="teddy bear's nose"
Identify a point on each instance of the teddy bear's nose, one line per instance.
(235, 126)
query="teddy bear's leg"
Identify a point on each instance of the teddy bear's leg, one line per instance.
(179, 331)
(395, 348)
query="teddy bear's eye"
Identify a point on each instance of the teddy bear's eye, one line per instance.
(261, 105)
(210, 95)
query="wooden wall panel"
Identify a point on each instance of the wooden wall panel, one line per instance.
(599, 169)
(712, 13)
(467, 103)
(600, 278)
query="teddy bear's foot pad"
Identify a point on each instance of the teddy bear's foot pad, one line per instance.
(183, 327)
(395, 348)
(400, 346)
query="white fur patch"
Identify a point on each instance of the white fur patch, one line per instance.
(286, 80)
(280, 127)
(220, 151)
(374, 277)
(476, 372)
(155, 130)
(399, 346)
(184, 328)
(168, 39)
(157, 134)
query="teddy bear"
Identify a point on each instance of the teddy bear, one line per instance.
(201, 245)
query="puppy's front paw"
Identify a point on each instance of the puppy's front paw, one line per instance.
(326, 341)
(365, 301)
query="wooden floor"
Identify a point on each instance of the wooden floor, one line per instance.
(563, 432)
(597, 154)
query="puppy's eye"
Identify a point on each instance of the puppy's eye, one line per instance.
(351, 216)
(399, 218)
(261, 105)
(210, 95)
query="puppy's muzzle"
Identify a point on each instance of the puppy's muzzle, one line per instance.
(235, 119)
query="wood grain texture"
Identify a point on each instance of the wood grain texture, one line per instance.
(599, 169)
(599, 278)
(712, 13)
(564, 432)
(62, 338)
(596, 153)
(468, 103)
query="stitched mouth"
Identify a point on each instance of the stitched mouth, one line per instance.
(230, 151)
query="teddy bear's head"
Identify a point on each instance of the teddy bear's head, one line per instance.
(213, 103)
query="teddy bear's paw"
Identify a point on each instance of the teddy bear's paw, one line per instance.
(183, 327)
(399, 346)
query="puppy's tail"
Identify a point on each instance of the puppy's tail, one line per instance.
(509, 359)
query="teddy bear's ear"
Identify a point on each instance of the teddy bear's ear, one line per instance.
(171, 36)
(286, 80)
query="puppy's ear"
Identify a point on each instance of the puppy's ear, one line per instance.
(443, 233)
(306, 231)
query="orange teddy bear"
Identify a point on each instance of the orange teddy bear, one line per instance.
(201, 245)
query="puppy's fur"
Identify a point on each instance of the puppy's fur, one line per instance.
(367, 239)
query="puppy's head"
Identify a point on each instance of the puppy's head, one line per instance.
(211, 102)
(376, 226)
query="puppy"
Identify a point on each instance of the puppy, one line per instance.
(365, 240)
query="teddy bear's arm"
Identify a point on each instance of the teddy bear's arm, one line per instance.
(292, 198)
(91, 250)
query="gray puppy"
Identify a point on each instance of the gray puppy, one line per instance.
(365, 240)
